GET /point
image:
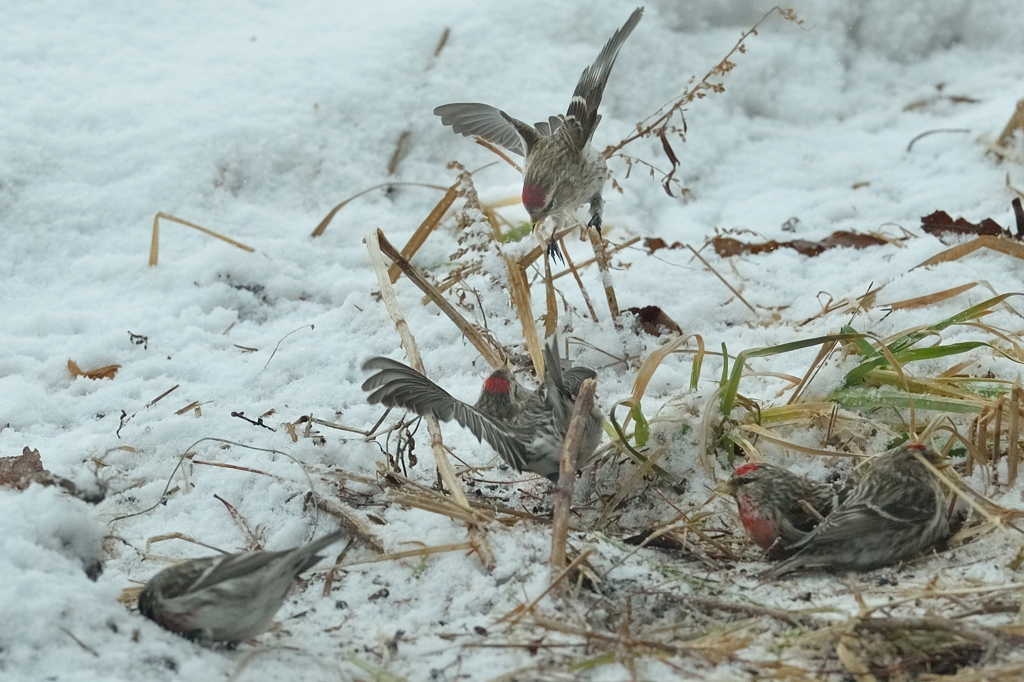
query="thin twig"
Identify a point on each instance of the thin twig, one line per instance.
(567, 476)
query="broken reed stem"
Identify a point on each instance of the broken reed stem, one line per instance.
(319, 229)
(351, 522)
(524, 310)
(492, 355)
(426, 227)
(1012, 447)
(996, 428)
(154, 245)
(606, 276)
(394, 308)
(579, 282)
(567, 477)
(444, 465)
(550, 304)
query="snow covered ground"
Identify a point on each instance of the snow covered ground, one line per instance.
(255, 118)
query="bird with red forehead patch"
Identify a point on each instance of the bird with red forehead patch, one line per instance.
(776, 507)
(526, 428)
(561, 170)
(897, 511)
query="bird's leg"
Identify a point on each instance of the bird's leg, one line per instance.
(596, 209)
(551, 246)
(554, 252)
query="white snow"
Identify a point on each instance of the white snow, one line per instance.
(255, 118)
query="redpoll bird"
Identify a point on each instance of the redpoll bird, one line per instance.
(561, 170)
(773, 504)
(228, 598)
(525, 427)
(897, 511)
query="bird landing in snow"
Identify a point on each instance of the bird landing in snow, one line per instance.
(561, 170)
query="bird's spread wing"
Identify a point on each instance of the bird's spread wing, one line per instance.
(397, 385)
(590, 88)
(491, 124)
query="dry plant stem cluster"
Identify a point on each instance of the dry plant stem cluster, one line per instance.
(444, 466)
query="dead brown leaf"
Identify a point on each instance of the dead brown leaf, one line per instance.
(654, 321)
(107, 372)
(727, 246)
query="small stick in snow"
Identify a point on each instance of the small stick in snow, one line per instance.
(154, 245)
(567, 476)
(492, 355)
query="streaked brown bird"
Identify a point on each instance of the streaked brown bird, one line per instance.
(229, 598)
(897, 511)
(775, 504)
(561, 170)
(526, 428)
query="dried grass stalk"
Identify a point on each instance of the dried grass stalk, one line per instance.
(930, 299)
(154, 245)
(524, 311)
(319, 229)
(493, 355)
(567, 476)
(999, 244)
(647, 369)
(426, 227)
(550, 304)
(606, 276)
(1012, 448)
(351, 522)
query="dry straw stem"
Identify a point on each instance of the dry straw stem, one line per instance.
(419, 237)
(1013, 448)
(772, 437)
(1003, 245)
(351, 522)
(154, 244)
(572, 270)
(409, 493)
(937, 297)
(425, 551)
(576, 276)
(444, 466)
(319, 230)
(652, 362)
(517, 614)
(606, 276)
(567, 476)
(1016, 123)
(492, 355)
(550, 304)
(734, 290)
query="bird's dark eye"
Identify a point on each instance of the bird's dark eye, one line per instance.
(551, 205)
